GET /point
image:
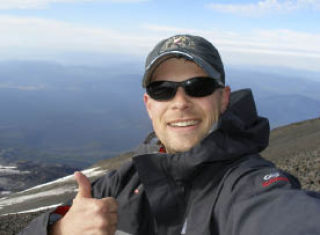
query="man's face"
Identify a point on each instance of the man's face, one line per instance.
(183, 121)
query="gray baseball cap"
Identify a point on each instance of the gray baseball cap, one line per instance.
(194, 48)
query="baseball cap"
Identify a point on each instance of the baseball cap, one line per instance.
(190, 47)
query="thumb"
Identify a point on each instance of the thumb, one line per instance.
(84, 185)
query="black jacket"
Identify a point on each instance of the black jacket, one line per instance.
(221, 186)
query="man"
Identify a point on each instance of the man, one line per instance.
(207, 177)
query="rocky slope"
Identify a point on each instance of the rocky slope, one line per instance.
(294, 148)
(20, 175)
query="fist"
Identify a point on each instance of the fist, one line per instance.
(88, 215)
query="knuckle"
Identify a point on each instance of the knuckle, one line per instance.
(105, 208)
(101, 207)
(97, 206)
(113, 219)
(111, 203)
(101, 223)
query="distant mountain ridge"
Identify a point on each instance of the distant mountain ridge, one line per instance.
(283, 99)
(280, 109)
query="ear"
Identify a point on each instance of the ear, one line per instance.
(147, 103)
(225, 98)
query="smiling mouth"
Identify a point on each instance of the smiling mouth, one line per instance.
(184, 123)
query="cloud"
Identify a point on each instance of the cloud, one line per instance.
(39, 4)
(42, 39)
(264, 47)
(24, 88)
(266, 7)
(167, 29)
(22, 35)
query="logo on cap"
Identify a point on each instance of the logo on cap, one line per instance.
(177, 42)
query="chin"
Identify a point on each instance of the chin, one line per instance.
(178, 147)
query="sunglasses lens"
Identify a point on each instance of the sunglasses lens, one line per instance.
(200, 87)
(161, 90)
(194, 87)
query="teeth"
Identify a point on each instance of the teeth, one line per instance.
(185, 123)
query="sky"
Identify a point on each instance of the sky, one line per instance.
(282, 33)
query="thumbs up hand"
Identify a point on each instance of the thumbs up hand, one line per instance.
(87, 215)
(84, 185)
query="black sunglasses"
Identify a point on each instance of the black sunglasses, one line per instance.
(195, 87)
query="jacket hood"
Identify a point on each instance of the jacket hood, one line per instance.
(240, 132)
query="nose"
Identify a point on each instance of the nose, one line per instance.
(181, 100)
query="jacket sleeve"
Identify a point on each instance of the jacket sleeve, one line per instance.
(102, 187)
(266, 201)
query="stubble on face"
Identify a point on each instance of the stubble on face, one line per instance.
(182, 122)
